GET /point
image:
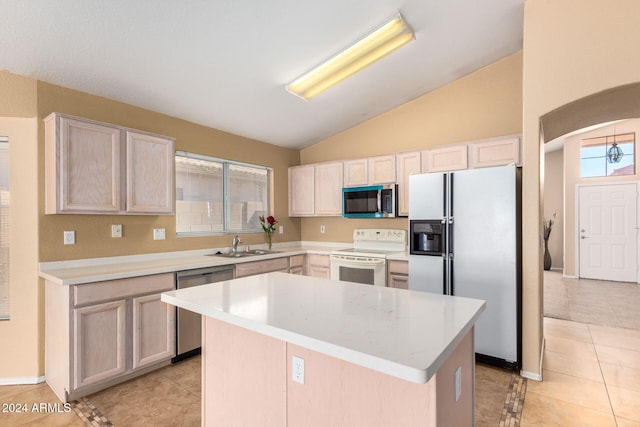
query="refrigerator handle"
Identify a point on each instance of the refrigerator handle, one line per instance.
(451, 281)
(445, 179)
(445, 274)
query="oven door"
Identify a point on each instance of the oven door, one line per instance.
(367, 270)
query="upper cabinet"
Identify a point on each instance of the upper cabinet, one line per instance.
(443, 159)
(370, 171)
(406, 164)
(315, 190)
(356, 172)
(382, 170)
(97, 168)
(494, 152)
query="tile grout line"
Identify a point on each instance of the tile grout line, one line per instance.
(604, 381)
(514, 402)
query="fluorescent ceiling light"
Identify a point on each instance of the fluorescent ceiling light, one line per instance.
(379, 43)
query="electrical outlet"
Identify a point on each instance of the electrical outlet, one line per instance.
(116, 230)
(322, 229)
(458, 381)
(69, 237)
(281, 229)
(158, 234)
(298, 370)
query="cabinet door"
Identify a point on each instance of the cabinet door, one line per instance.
(100, 342)
(301, 190)
(150, 174)
(382, 169)
(444, 159)
(153, 330)
(259, 267)
(398, 281)
(497, 152)
(356, 172)
(406, 164)
(328, 189)
(318, 266)
(83, 166)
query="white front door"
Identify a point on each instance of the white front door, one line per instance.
(607, 230)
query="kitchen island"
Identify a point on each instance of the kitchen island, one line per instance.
(371, 355)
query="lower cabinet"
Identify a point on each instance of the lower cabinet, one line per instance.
(100, 334)
(318, 266)
(296, 264)
(398, 274)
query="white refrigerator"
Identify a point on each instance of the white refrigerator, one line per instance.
(465, 240)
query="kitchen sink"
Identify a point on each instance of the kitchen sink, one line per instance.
(242, 254)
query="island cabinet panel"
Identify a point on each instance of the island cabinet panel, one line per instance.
(250, 389)
(100, 334)
(98, 168)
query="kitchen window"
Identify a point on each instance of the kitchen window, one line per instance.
(4, 228)
(611, 155)
(217, 196)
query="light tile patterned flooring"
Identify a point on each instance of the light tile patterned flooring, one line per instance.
(591, 370)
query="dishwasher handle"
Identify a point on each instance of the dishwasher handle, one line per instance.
(203, 271)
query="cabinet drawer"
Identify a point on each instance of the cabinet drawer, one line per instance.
(258, 267)
(398, 267)
(92, 293)
(318, 260)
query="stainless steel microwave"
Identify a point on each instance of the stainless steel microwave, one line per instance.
(373, 201)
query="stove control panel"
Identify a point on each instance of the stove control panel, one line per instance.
(380, 235)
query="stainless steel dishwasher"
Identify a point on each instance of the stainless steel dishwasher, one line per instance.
(188, 323)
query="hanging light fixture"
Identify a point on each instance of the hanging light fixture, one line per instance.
(614, 155)
(379, 43)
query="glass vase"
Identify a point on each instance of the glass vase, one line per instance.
(267, 237)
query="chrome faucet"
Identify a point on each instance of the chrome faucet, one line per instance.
(235, 242)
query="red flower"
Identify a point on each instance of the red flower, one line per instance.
(271, 220)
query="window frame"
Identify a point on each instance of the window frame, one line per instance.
(606, 139)
(226, 202)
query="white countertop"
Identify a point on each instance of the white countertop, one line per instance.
(77, 272)
(402, 333)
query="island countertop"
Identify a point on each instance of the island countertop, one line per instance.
(401, 333)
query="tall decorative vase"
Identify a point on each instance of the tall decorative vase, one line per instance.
(547, 255)
(268, 237)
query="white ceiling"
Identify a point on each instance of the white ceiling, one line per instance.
(224, 63)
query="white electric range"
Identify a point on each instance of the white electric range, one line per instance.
(366, 262)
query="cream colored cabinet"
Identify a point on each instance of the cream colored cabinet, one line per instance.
(259, 267)
(150, 173)
(315, 190)
(407, 164)
(398, 274)
(328, 189)
(494, 152)
(100, 334)
(301, 190)
(153, 331)
(356, 172)
(443, 159)
(296, 264)
(382, 170)
(100, 337)
(318, 266)
(97, 168)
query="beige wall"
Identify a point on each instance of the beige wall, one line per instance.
(572, 179)
(569, 53)
(554, 203)
(93, 232)
(484, 104)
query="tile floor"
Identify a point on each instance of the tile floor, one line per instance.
(591, 374)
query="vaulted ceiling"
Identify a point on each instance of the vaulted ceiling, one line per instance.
(225, 63)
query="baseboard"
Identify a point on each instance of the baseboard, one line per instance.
(531, 375)
(566, 276)
(21, 380)
(557, 269)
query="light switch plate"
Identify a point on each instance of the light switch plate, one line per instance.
(158, 234)
(69, 237)
(116, 230)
